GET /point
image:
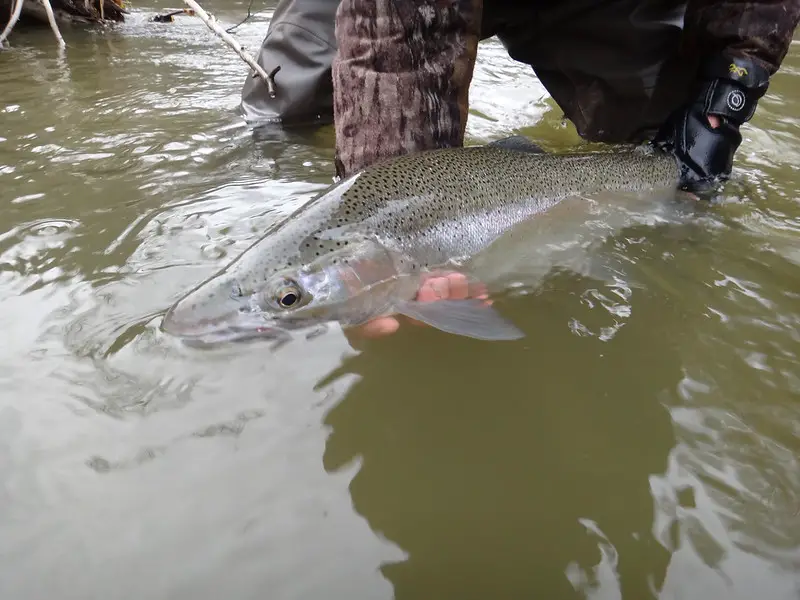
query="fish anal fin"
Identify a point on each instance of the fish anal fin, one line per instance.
(470, 317)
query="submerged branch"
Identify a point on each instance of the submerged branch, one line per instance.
(211, 22)
(16, 11)
(51, 18)
(55, 12)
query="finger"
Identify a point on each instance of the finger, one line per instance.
(481, 292)
(459, 286)
(435, 288)
(377, 327)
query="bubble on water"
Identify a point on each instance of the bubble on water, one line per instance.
(579, 329)
(52, 227)
(193, 221)
(518, 288)
(213, 251)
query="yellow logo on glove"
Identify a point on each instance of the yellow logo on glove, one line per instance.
(736, 70)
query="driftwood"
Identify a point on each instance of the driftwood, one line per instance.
(17, 12)
(96, 11)
(211, 23)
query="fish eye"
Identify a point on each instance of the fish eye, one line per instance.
(288, 299)
(288, 296)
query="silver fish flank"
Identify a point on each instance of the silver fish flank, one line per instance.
(361, 249)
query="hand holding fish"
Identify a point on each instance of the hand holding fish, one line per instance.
(355, 254)
(450, 286)
(704, 133)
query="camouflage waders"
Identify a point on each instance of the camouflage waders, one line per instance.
(395, 74)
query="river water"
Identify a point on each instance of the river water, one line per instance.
(641, 442)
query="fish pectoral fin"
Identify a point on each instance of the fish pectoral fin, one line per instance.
(470, 318)
(519, 143)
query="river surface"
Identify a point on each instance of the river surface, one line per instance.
(642, 441)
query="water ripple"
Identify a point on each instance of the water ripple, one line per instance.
(647, 430)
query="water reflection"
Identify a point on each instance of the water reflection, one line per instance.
(644, 437)
(514, 470)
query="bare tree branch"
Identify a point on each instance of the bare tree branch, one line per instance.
(51, 18)
(15, 13)
(211, 22)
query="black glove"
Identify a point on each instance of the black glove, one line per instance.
(730, 89)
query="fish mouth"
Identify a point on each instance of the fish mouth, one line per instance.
(233, 327)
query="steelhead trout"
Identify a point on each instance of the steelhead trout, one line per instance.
(361, 249)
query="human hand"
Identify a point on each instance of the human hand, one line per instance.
(449, 286)
(704, 146)
(704, 135)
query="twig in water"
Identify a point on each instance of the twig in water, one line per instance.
(243, 21)
(52, 19)
(211, 22)
(16, 11)
(168, 16)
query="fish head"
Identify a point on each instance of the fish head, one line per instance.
(251, 298)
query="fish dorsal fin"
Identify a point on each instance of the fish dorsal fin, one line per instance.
(519, 143)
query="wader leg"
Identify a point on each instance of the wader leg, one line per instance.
(300, 40)
(401, 77)
(617, 68)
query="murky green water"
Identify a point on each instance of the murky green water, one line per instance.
(641, 442)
